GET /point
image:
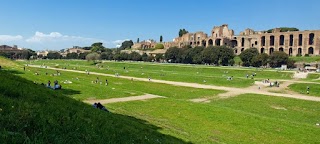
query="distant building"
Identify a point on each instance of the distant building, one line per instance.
(42, 53)
(11, 52)
(74, 49)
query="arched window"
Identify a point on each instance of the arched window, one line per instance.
(271, 40)
(290, 51)
(281, 40)
(311, 38)
(271, 50)
(263, 41)
(300, 39)
(291, 40)
(262, 50)
(310, 50)
(281, 49)
(210, 42)
(218, 42)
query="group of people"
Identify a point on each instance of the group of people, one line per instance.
(55, 85)
(98, 81)
(100, 106)
(252, 75)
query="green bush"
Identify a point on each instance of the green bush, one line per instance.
(159, 46)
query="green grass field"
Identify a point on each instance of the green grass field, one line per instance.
(306, 59)
(36, 114)
(314, 89)
(173, 72)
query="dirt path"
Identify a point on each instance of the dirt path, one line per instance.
(230, 90)
(125, 99)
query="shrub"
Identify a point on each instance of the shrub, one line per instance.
(159, 46)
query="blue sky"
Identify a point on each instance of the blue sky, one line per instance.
(58, 24)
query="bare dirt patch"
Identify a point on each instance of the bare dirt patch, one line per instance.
(125, 99)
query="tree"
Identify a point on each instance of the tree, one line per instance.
(87, 48)
(278, 58)
(97, 47)
(291, 63)
(135, 56)
(247, 55)
(53, 55)
(225, 55)
(72, 56)
(161, 38)
(3, 54)
(150, 58)
(107, 55)
(159, 46)
(195, 54)
(284, 29)
(182, 32)
(116, 56)
(210, 55)
(93, 57)
(158, 57)
(144, 57)
(83, 55)
(172, 54)
(260, 60)
(126, 44)
(124, 56)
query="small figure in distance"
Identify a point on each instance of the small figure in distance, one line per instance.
(49, 83)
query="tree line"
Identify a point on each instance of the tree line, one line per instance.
(252, 57)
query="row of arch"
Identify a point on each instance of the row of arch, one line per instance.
(291, 40)
(290, 51)
(217, 42)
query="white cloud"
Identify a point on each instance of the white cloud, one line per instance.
(118, 43)
(40, 37)
(9, 38)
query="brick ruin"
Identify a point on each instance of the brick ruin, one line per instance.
(291, 42)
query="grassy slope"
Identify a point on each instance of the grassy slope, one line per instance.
(31, 113)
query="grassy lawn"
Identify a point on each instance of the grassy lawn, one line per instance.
(36, 114)
(302, 89)
(306, 59)
(243, 119)
(173, 72)
(84, 88)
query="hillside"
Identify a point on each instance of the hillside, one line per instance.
(31, 113)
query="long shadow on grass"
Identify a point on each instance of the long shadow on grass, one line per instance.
(35, 114)
(68, 92)
(11, 71)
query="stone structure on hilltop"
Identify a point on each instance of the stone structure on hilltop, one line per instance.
(146, 44)
(74, 49)
(291, 42)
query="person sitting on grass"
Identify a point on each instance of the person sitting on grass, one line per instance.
(100, 106)
(49, 84)
(95, 105)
